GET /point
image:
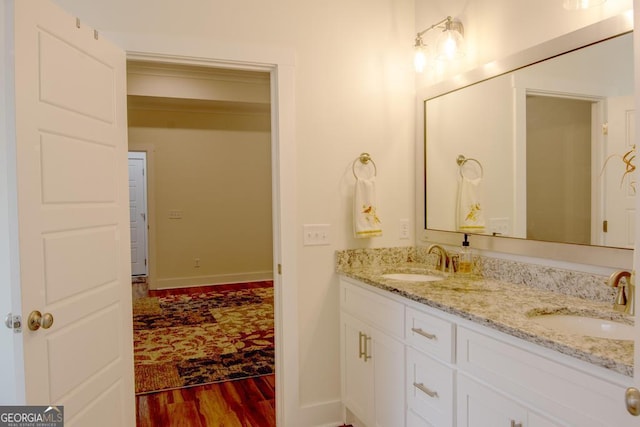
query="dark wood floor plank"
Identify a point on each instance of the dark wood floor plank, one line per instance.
(241, 403)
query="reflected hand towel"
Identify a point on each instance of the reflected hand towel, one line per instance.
(470, 213)
(365, 218)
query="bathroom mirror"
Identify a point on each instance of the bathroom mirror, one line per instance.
(547, 137)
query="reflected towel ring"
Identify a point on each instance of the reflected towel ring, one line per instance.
(364, 158)
(461, 160)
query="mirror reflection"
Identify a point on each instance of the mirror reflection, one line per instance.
(546, 151)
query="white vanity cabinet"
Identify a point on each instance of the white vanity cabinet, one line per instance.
(531, 385)
(429, 373)
(428, 368)
(372, 353)
(482, 406)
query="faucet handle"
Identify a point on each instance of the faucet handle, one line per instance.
(454, 262)
(620, 304)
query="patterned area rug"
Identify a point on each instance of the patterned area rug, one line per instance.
(200, 338)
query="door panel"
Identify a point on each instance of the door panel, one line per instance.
(619, 203)
(94, 162)
(71, 153)
(138, 213)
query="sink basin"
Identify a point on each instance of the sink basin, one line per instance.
(586, 326)
(412, 277)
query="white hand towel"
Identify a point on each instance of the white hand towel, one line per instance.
(365, 218)
(470, 213)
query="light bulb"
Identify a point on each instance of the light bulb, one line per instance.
(581, 4)
(419, 59)
(450, 45)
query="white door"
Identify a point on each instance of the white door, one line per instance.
(138, 213)
(619, 195)
(73, 227)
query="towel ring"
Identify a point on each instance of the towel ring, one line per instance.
(461, 160)
(364, 158)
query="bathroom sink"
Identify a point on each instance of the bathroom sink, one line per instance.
(412, 277)
(586, 326)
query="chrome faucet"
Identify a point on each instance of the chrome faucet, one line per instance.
(625, 298)
(443, 256)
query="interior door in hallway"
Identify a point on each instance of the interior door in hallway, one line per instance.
(620, 187)
(138, 213)
(73, 232)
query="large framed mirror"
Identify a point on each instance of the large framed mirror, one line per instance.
(531, 155)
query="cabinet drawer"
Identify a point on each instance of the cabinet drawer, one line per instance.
(429, 388)
(557, 390)
(383, 313)
(430, 334)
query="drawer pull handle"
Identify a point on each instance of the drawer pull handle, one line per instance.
(426, 391)
(514, 424)
(367, 352)
(363, 346)
(424, 334)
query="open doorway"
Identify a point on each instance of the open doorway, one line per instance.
(206, 134)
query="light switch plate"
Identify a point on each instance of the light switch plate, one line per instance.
(404, 229)
(499, 226)
(175, 214)
(316, 234)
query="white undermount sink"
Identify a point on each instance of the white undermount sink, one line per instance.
(412, 277)
(586, 326)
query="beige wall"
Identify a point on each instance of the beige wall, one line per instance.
(219, 176)
(559, 146)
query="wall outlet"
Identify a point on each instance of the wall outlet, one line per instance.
(404, 229)
(316, 234)
(499, 226)
(196, 263)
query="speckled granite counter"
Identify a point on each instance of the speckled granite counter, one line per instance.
(505, 307)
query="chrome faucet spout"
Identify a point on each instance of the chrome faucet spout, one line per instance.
(625, 297)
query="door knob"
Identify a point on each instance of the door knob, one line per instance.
(37, 320)
(632, 399)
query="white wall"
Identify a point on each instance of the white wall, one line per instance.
(495, 29)
(354, 92)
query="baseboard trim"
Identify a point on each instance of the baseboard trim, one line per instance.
(217, 279)
(325, 414)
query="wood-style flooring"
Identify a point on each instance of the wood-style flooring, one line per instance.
(241, 403)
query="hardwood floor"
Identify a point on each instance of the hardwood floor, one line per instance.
(241, 403)
(198, 289)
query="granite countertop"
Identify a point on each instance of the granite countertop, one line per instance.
(508, 308)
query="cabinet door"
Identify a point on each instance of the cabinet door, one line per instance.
(479, 406)
(387, 355)
(357, 373)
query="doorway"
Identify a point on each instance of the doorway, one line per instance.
(138, 212)
(207, 138)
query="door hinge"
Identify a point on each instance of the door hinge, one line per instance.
(605, 128)
(14, 322)
(142, 172)
(279, 268)
(605, 226)
(145, 262)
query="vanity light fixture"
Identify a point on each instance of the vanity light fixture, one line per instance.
(449, 44)
(581, 4)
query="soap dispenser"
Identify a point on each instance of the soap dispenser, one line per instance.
(465, 263)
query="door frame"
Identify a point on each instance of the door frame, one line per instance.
(280, 66)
